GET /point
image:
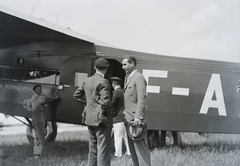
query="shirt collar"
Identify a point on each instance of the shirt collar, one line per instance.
(100, 74)
(131, 74)
(35, 95)
(116, 87)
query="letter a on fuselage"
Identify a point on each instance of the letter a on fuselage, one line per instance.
(214, 86)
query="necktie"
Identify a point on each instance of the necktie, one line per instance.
(126, 80)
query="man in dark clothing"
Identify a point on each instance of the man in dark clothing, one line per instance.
(119, 129)
(94, 94)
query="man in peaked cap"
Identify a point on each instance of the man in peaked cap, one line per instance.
(119, 129)
(101, 63)
(94, 95)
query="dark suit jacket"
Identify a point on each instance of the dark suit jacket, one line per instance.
(95, 91)
(118, 105)
(135, 97)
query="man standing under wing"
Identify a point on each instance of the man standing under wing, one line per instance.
(94, 94)
(135, 103)
(36, 105)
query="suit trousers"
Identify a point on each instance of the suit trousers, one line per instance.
(99, 146)
(38, 120)
(140, 152)
(120, 135)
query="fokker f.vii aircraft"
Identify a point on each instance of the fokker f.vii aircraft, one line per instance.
(184, 94)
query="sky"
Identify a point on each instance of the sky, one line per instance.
(204, 29)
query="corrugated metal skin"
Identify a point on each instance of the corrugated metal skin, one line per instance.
(166, 111)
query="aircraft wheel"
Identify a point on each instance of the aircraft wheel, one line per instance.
(50, 132)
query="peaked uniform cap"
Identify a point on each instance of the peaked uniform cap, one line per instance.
(116, 79)
(101, 63)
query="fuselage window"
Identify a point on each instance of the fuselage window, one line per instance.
(57, 77)
(79, 78)
(40, 76)
(29, 75)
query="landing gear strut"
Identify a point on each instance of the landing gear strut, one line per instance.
(50, 132)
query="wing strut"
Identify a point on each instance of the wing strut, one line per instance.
(30, 123)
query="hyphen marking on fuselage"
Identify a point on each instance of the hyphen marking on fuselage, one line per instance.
(180, 91)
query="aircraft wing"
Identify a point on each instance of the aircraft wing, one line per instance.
(17, 28)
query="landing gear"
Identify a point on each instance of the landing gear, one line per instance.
(50, 132)
(155, 141)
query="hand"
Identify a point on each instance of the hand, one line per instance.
(54, 92)
(136, 122)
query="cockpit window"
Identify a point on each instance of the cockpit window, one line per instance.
(43, 76)
(40, 76)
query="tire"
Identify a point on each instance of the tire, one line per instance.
(50, 135)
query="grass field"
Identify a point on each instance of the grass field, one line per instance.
(71, 149)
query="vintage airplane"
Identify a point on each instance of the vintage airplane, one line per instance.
(184, 94)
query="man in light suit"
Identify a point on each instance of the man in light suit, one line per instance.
(94, 94)
(135, 103)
